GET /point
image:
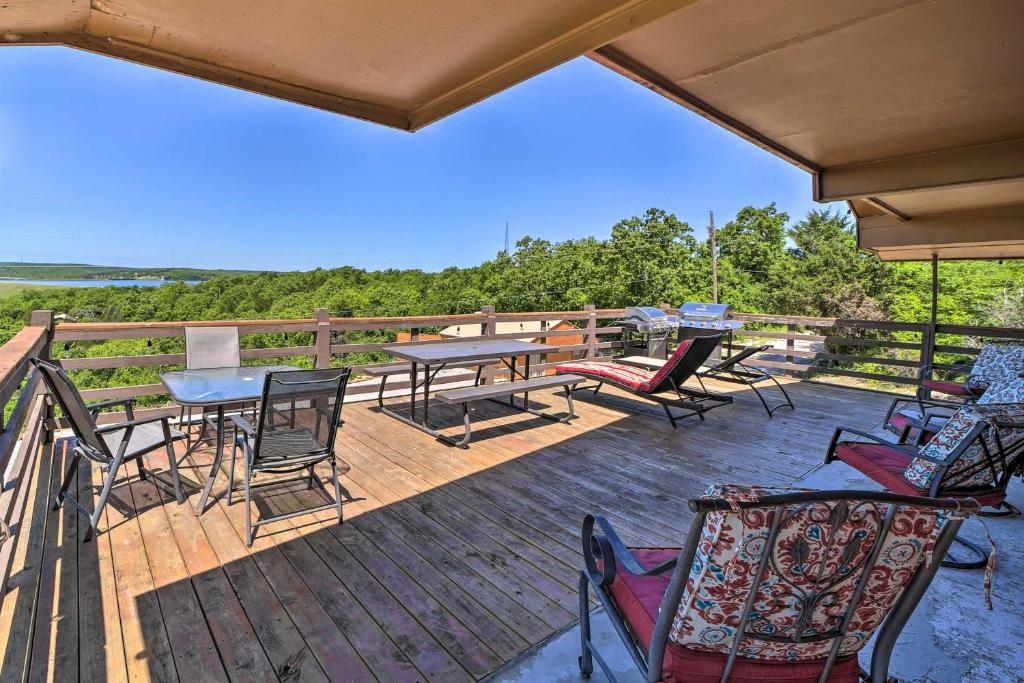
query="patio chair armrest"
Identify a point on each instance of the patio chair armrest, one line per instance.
(604, 545)
(244, 425)
(866, 437)
(957, 369)
(97, 406)
(132, 424)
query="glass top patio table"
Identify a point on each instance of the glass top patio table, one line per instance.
(218, 386)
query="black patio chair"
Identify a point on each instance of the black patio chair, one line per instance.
(299, 416)
(732, 369)
(663, 386)
(774, 586)
(109, 446)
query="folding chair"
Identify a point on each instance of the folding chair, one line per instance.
(109, 446)
(293, 440)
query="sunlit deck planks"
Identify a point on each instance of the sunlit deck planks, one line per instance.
(451, 562)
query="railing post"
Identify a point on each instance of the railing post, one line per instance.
(591, 310)
(489, 329)
(323, 339)
(790, 346)
(45, 319)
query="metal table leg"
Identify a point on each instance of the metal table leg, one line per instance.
(426, 396)
(413, 373)
(218, 456)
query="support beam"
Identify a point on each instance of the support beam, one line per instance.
(996, 162)
(994, 232)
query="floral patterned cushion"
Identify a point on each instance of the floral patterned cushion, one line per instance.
(1011, 391)
(821, 550)
(996, 363)
(968, 470)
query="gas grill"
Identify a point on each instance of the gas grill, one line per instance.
(645, 331)
(699, 319)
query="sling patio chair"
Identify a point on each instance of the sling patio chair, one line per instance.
(296, 439)
(664, 386)
(995, 363)
(733, 369)
(771, 585)
(974, 455)
(207, 348)
(109, 446)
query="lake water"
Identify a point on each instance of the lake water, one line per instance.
(95, 283)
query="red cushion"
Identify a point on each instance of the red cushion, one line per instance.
(638, 599)
(886, 465)
(668, 367)
(628, 375)
(900, 421)
(951, 388)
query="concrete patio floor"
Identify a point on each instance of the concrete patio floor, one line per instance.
(951, 637)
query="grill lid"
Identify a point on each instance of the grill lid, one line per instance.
(693, 309)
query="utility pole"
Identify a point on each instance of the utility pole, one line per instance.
(506, 238)
(714, 258)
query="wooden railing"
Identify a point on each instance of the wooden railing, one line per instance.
(810, 348)
(23, 427)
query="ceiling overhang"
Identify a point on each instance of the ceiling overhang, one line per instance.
(911, 111)
(401, 63)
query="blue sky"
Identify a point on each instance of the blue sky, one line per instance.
(102, 161)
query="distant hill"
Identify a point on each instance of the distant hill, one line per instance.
(84, 271)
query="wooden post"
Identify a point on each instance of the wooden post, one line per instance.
(489, 329)
(45, 319)
(323, 339)
(543, 358)
(790, 345)
(591, 310)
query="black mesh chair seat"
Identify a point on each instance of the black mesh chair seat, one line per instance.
(144, 438)
(288, 447)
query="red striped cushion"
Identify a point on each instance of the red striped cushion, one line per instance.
(631, 376)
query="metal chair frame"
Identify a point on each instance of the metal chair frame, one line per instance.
(91, 445)
(602, 544)
(250, 439)
(733, 369)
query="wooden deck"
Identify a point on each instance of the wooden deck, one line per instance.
(451, 562)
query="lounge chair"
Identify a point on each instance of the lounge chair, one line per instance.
(109, 446)
(663, 386)
(974, 455)
(773, 586)
(732, 369)
(312, 401)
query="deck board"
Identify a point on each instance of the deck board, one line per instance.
(451, 562)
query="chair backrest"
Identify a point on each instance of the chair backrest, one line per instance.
(687, 359)
(70, 401)
(212, 347)
(979, 446)
(996, 363)
(800, 575)
(300, 413)
(740, 357)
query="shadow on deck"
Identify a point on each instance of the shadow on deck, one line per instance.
(451, 562)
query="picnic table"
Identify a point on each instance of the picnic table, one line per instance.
(429, 359)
